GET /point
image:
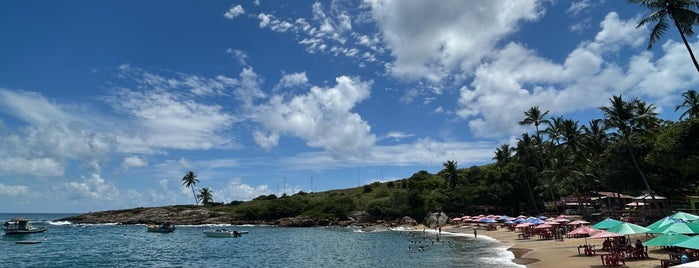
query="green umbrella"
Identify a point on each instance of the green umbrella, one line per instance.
(692, 243)
(678, 227)
(628, 228)
(661, 222)
(666, 240)
(685, 216)
(606, 224)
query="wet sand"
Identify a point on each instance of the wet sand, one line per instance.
(539, 253)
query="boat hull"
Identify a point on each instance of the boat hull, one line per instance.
(23, 232)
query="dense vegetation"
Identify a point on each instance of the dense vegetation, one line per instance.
(629, 151)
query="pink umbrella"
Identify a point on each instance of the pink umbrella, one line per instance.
(543, 225)
(583, 230)
(523, 225)
(576, 222)
(605, 234)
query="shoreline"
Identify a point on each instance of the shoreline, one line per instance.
(540, 253)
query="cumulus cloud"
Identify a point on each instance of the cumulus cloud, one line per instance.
(93, 188)
(293, 80)
(234, 12)
(516, 78)
(428, 46)
(133, 162)
(323, 118)
(236, 190)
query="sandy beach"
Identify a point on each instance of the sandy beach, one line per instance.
(539, 253)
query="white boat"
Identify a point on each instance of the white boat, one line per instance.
(223, 233)
(19, 226)
(167, 227)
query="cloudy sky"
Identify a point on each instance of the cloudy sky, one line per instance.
(106, 104)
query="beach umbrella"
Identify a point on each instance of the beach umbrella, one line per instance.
(685, 216)
(605, 234)
(534, 220)
(543, 226)
(487, 220)
(520, 220)
(662, 222)
(578, 222)
(542, 217)
(582, 230)
(606, 224)
(627, 228)
(666, 240)
(678, 227)
(692, 243)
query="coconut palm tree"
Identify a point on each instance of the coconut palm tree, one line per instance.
(691, 104)
(535, 117)
(664, 12)
(624, 117)
(451, 173)
(205, 196)
(189, 180)
(503, 155)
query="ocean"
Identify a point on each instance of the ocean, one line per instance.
(110, 245)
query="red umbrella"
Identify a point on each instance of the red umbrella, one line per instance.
(543, 225)
(576, 222)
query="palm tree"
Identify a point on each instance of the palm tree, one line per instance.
(555, 129)
(451, 174)
(691, 104)
(503, 155)
(535, 117)
(623, 116)
(189, 180)
(663, 11)
(205, 196)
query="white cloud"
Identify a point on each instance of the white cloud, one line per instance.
(164, 119)
(322, 117)
(239, 55)
(13, 190)
(92, 188)
(578, 6)
(292, 80)
(133, 162)
(234, 12)
(236, 190)
(515, 78)
(432, 47)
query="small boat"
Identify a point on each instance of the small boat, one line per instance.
(27, 242)
(19, 226)
(223, 233)
(167, 227)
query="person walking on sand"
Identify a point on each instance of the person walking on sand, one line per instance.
(475, 232)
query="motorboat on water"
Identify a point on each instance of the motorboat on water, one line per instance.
(223, 233)
(167, 227)
(19, 226)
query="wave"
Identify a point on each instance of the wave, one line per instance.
(59, 222)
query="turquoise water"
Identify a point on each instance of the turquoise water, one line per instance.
(69, 245)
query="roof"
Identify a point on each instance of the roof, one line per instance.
(614, 195)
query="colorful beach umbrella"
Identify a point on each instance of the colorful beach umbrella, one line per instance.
(692, 243)
(666, 240)
(685, 216)
(578, 222)
(662, 222)
(582, 230)
(678, 227)
(605, 234)
(606, 224)
(628, 228)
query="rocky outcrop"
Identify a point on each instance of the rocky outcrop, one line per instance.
(154, 215)
(191, 215)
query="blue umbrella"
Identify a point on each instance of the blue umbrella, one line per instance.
(487, 220)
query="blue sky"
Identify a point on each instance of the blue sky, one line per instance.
(106, 104)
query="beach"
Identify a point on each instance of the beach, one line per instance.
(540, 253)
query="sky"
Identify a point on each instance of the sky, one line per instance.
(107, 104)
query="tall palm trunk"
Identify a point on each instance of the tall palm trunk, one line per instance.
(643, 177)
(196, 200)
(531, 193)
(686, 44)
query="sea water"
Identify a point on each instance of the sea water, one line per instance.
(110, 245)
